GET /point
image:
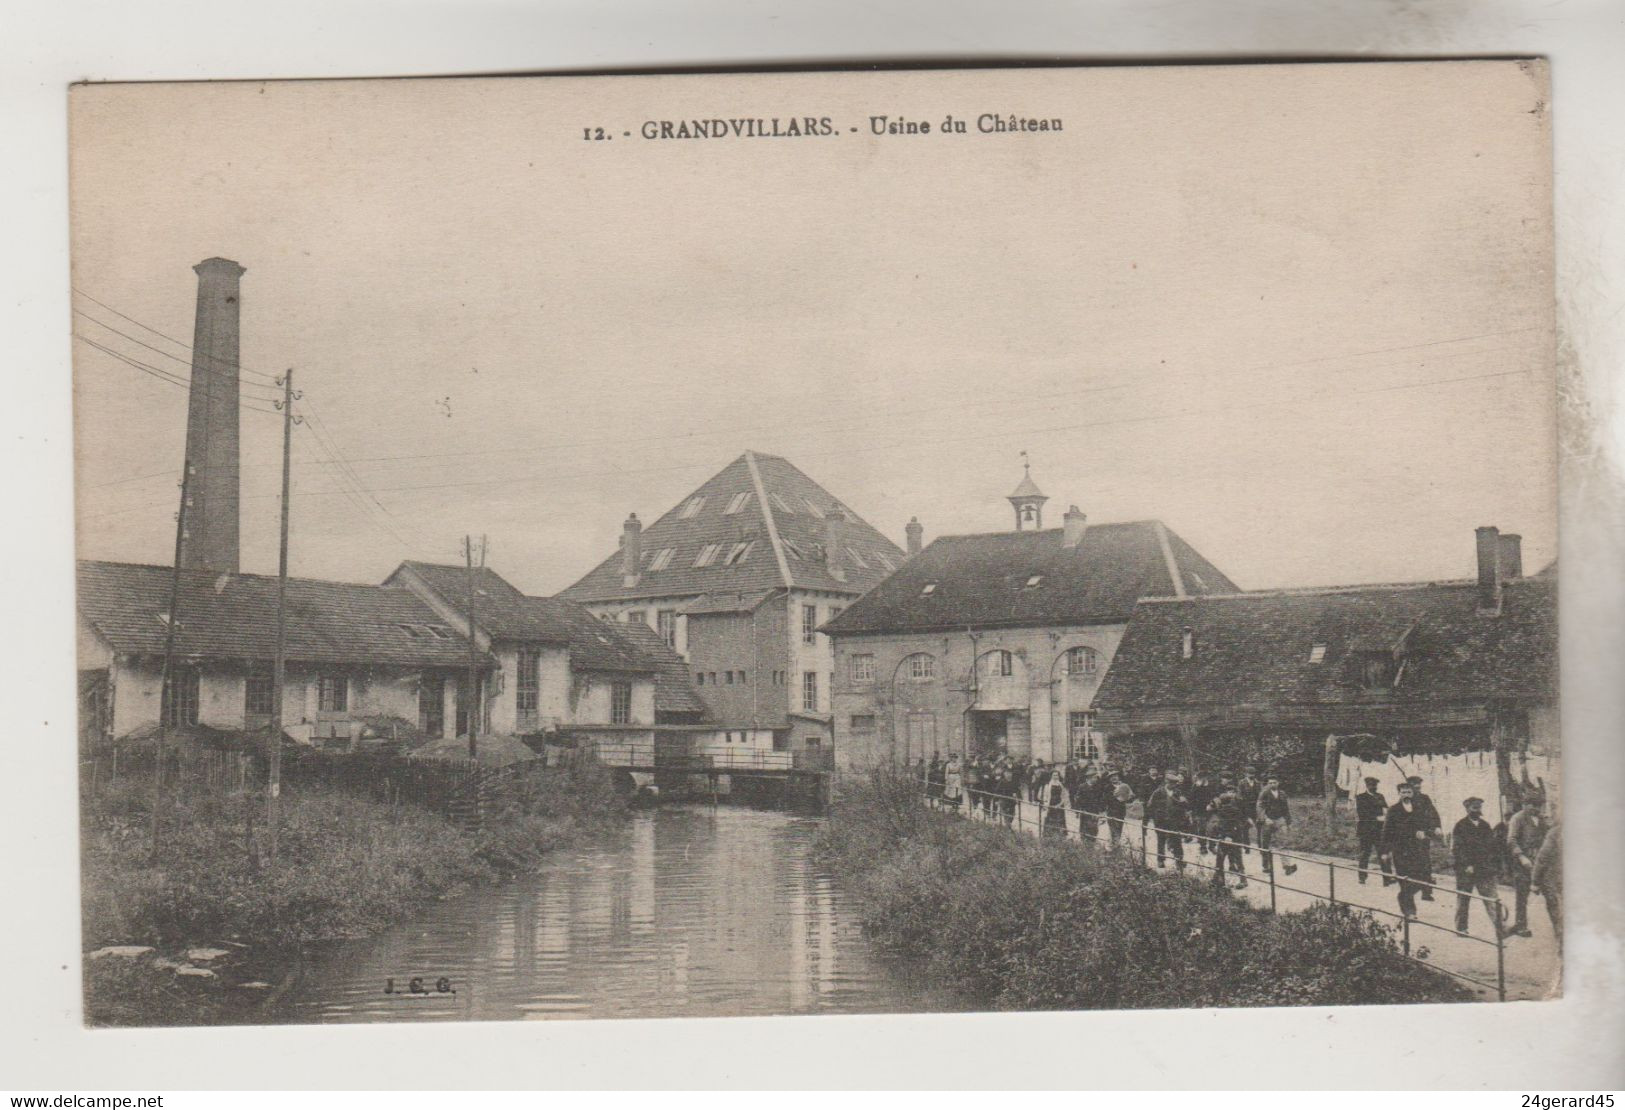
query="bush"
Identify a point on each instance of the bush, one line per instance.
(1015, 923)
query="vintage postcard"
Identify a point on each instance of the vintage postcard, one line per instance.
(816, 542)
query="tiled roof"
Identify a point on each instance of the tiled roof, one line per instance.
(504, 613)
(1016, 579)
(789, 553)
(499, 606)
(674, 683)
(1256, 649)
(234, 617)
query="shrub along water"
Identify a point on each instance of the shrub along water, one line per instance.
(1020, 924)
(347, 867)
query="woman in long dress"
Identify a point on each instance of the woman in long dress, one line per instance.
(953, 779)
(1053, 798)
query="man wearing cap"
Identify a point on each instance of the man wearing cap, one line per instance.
(1370, 807)
(1405, 835)
(1273, 815)
(1169, 812)
(1525, 834)
(1476, 856)
(1228, 828)
(1436, 824)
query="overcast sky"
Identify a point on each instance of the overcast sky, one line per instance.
(1301, 314)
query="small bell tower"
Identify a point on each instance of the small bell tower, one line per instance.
(1028, 500)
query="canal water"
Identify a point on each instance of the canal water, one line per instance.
(694, 912)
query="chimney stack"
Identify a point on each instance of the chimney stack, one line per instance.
(915, 533)
(212, 420)
(631, 550)
(835, 544)
(1489, 570)
(1074, 522)
(1511, 556)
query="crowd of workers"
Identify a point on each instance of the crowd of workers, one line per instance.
(1223, 813)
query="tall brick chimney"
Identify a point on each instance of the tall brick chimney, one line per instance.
(1489, 570)
(835, 544)
(631, 550)
(212, 417)
(915, 533)
(1511, 556)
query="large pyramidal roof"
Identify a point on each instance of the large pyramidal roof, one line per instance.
(776, 512)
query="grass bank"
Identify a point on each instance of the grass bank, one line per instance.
(1016, 924)
(347, 867)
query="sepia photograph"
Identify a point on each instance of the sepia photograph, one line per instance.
(816, 542)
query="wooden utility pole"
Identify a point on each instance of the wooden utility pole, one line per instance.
(473, 712)
(166, 676)
(279, 665)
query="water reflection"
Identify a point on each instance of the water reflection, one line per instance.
(694, 913)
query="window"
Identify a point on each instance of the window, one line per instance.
(738, 502)
(620, 703)
(1082, 740)
(1187, 644)
(662, 559)
(707, 555)
(857, 560)
(922, 668)
(886, 563)
(863, 722)
(739, 552)
(815, 510)
(863, 669)
(779, 678)
(728, 678)
(666, 625)
(1082, 661)
(792, 549)
(783, 505)
(258, 693)
(333, 694)
(929, 589)
(527, 682)
(809, 624)
(439, 632)
(699, 678)
(411, 630)
(694, 505)
(743, 679)
(809, 691)
(998, 664)
(1317, 653)
(637, 616)
(1034, 581)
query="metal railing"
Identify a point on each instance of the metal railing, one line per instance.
(634, 754)
(1082, 825)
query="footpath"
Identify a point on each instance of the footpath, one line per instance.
(1532, 965)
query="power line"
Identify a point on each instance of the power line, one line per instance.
(172, 339)
(183, 361)
(164, 375)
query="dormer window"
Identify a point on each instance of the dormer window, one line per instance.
(815, 510)
(662, 559)
(1034, 581)
(737, 503)
(782, 505)
(929, 589)
(857, 559)
(411, 630)
(707, 555)
(1317, 653)
(694, 505)
(1187, 644)
(739, 552)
